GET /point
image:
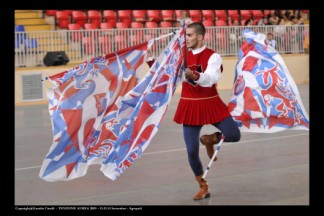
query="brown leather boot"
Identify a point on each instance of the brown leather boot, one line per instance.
(209, 141)
(203, 191)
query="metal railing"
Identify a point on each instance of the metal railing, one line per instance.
(79, 45)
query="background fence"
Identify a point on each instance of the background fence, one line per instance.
(79, 45)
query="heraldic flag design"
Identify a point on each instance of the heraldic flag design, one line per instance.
(265, 98)
(102, 114)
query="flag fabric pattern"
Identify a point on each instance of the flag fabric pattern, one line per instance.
(265, 97)
(102, 114)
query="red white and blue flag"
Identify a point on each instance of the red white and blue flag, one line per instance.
(101, 114)
(265, 98)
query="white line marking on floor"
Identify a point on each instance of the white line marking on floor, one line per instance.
(182, 149)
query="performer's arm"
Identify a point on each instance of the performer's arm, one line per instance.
(213, 72)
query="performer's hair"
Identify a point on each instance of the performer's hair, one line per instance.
(199, 28)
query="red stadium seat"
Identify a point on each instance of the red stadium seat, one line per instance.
(94, 17)
(153, 16)
(257, 14)
(79, 17)
(74, 26)
(207, 23)
(121, 25)
(178, 14)
(195, 15)
(233, 14)
(90, 26)
(125, 16)
(165, 24)
(208, 15)
(246, 14)
(106, 26)
(68, 12)
(110, 17)
(50, 12)
(136, 25)
(139, 15)
(266, 12)
(168, 15)
(221, 15)
(63, 19)
(151, 25)
(220, 23)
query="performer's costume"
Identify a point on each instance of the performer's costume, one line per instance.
(201, 105)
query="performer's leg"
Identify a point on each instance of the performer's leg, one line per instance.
(229, 128)
(191, 137)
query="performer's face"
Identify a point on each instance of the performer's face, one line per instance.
(192, 38)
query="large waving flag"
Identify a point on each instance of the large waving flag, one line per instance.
(101, 114)
(265, 97)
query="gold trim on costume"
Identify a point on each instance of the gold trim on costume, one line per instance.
(198, 98)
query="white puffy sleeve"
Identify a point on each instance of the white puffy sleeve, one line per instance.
(212, 73)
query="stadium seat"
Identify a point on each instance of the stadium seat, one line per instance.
(168, 15)
(110, 17)
(178, 14)
(79, 17)
(136, 25)
(165, 24)
(151, 25)
(220, 23)
(208, 15)
(195, 15)
(257, 14)
(68, 12)
(246, 14)
(266, 12)
(63, 19)
(125, 16)
(122, 25)
(106, 25)
(139, 15)
(207, 23)
(153, 16)
(233, 14)
(221, 15)
(50, 12)
(90, 26)
(94, 17)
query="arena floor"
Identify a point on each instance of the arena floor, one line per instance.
(261, 169)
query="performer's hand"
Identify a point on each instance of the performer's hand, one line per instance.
(189, 74)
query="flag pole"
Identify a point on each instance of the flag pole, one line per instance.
(166, 35)
(214, 155)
